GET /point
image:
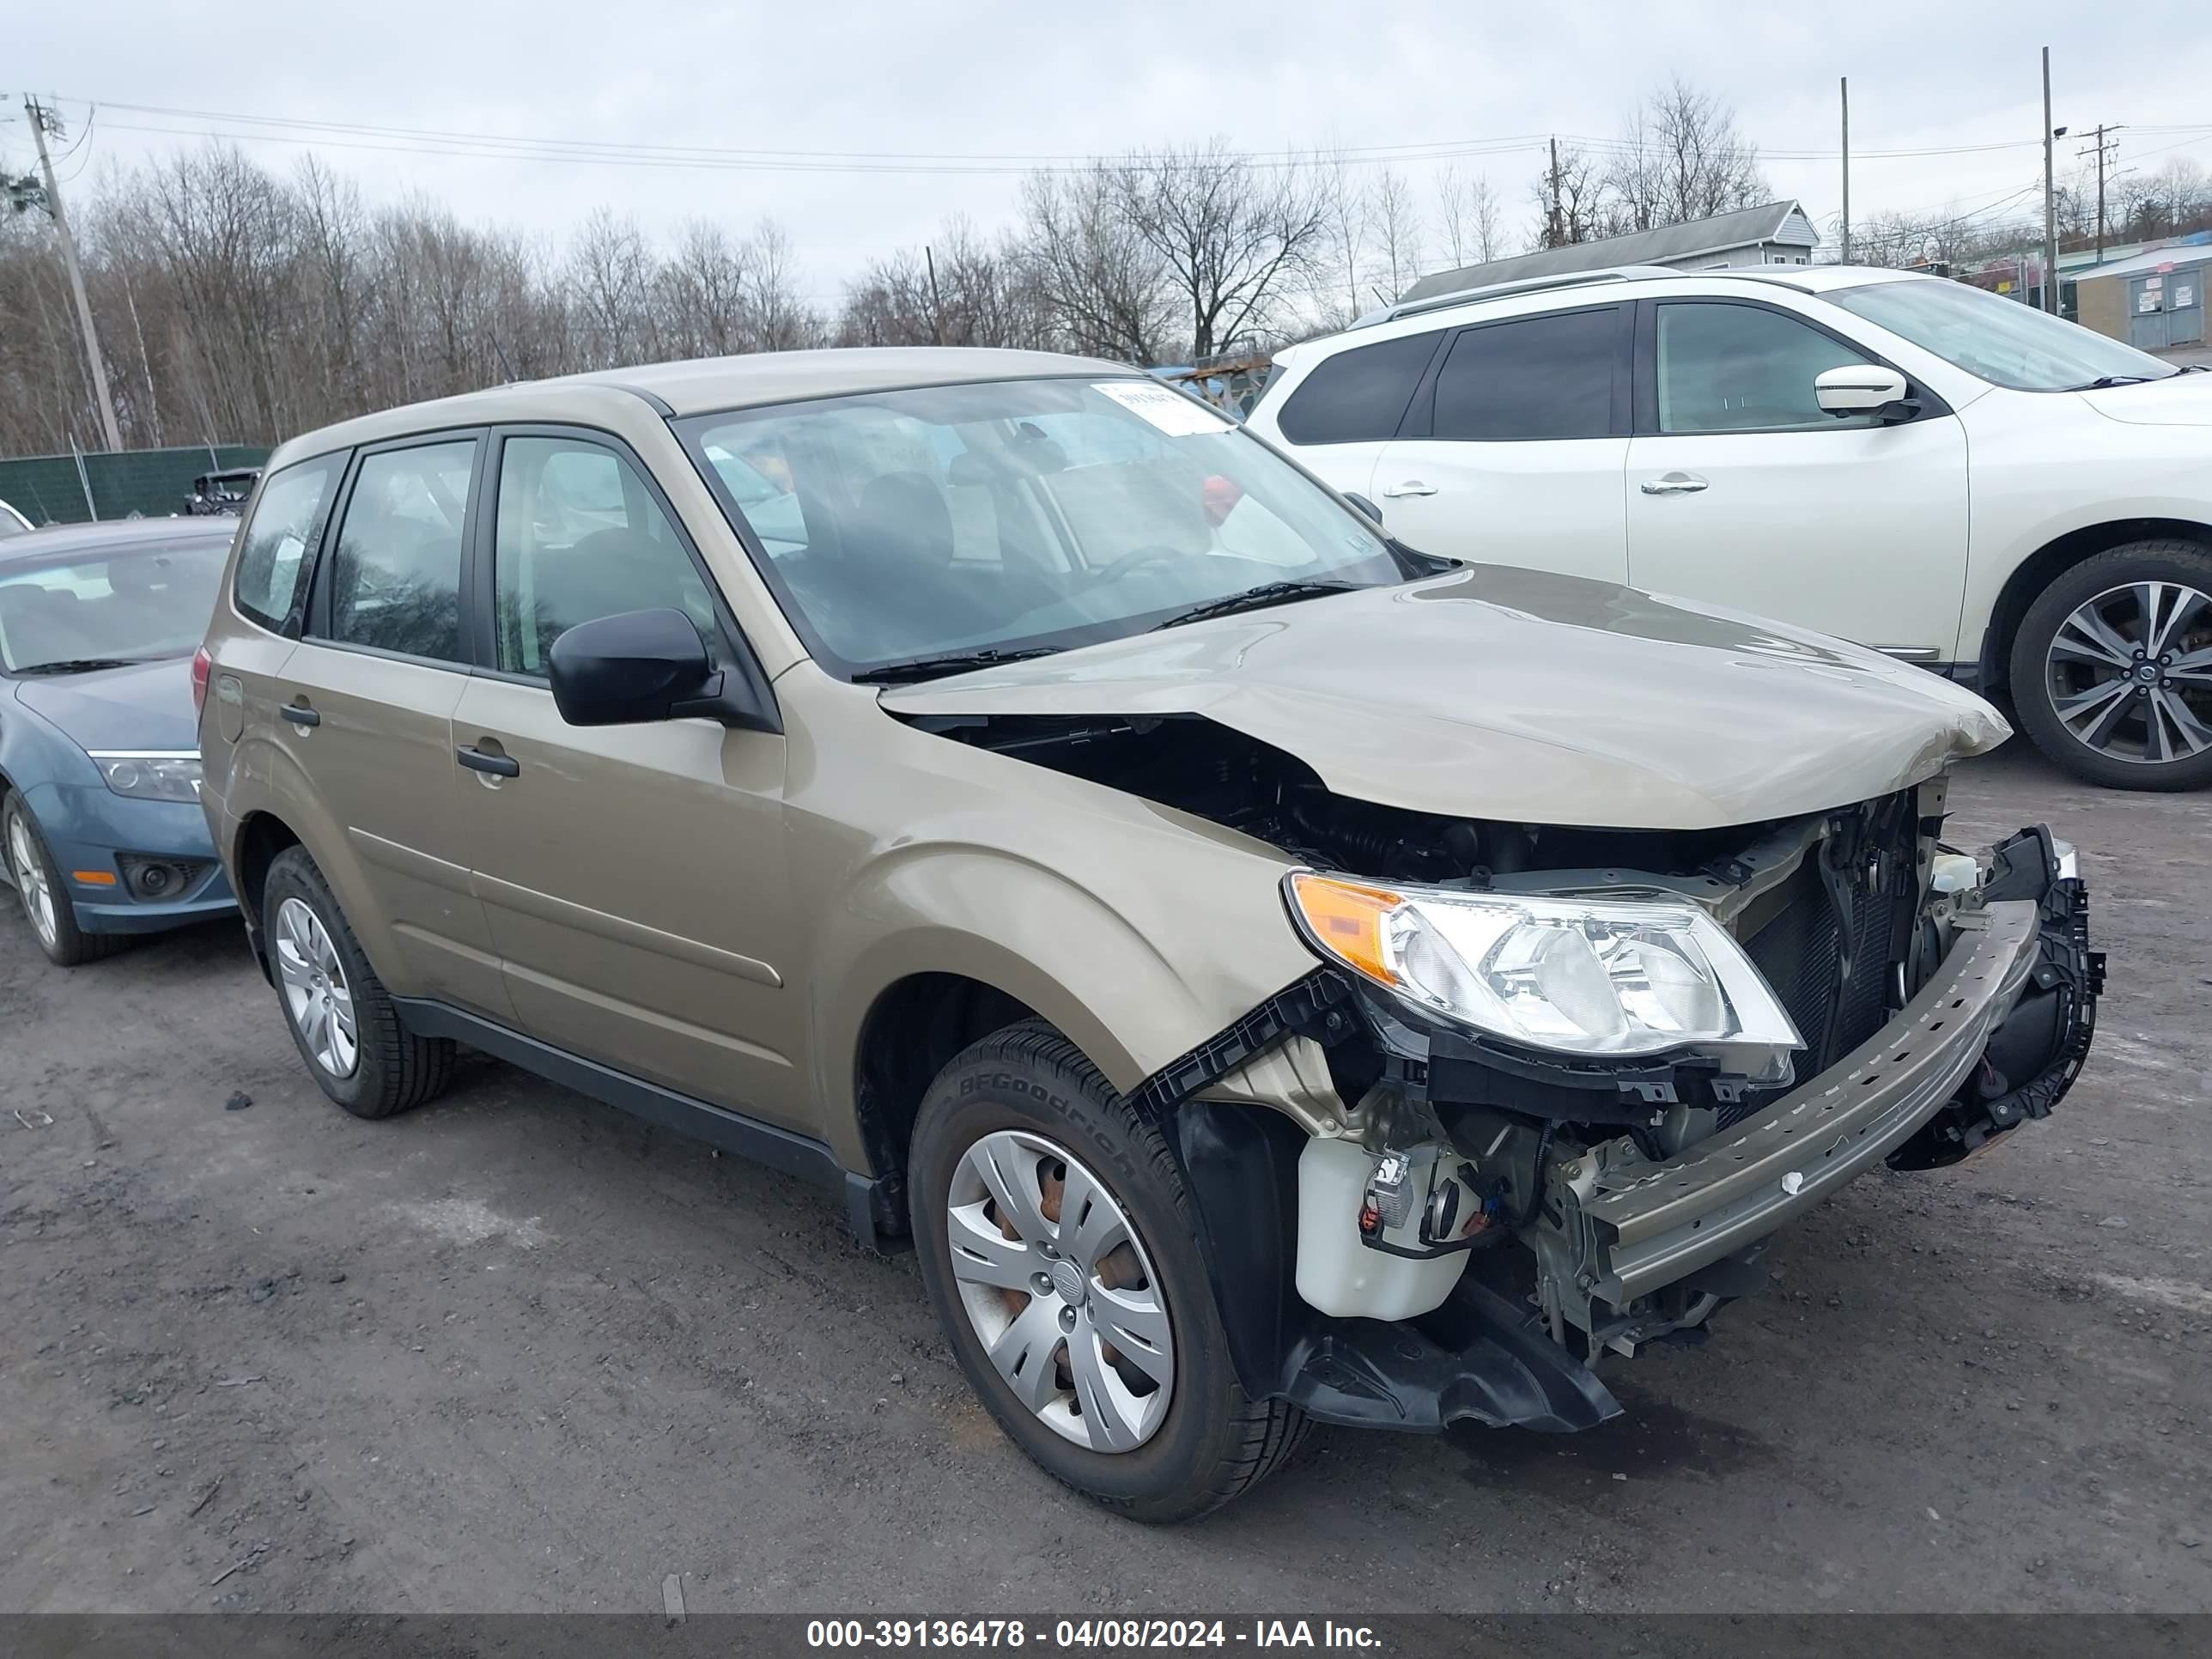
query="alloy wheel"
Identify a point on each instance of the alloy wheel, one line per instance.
(1060, 1291)
(31, 880)
(316, 993)
(2130, 672)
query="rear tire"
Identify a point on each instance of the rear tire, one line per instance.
(1028, 1091)
(45, 894)
(377, 1068)
(2110, 691)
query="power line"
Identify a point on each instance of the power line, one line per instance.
(449, 141)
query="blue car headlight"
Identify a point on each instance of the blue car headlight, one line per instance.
(151, 773)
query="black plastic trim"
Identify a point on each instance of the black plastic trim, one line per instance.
(1477, 1356)
(1310, 1004)
(868, 1207)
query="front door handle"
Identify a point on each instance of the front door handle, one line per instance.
(500, 766)
(300, 714)
(1675, 484)
(1411, 487)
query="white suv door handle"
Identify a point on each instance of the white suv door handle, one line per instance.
(1675, 484)
(1411, 487)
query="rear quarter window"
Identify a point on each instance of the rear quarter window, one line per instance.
(1358, 396)
(273, 557)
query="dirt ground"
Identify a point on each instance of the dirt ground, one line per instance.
(516, 1352)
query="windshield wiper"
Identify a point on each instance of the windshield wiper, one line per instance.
(1253, 598)
(81, 665)
(2103, 381)
(950, 662)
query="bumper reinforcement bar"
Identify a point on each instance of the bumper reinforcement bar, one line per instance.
(1657, 1222)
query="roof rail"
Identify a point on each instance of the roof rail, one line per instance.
(1524, 285)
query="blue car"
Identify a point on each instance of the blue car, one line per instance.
(102, 833)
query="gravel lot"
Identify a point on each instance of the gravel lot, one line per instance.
(517, 1351)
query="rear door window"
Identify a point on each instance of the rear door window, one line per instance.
(274, 556)
(1549, 376)
(395, 569)
(1358, 396)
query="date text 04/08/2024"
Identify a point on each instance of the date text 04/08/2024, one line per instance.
(1086, 1633)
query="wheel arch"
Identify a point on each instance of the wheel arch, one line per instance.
(911, 1031)
(262, 835)
(2053, 559)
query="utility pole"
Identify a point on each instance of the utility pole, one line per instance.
(2103, 148)
(936, 305)
(2050, 198)
(1847, 169)
(1558, 238)
(42, 121)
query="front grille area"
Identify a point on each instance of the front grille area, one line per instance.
(1799, 947)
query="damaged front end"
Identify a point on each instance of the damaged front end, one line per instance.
(1494, 1213)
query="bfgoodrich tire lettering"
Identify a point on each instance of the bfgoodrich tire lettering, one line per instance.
(392, 1069)
(1028, 1087)
(2111, 668)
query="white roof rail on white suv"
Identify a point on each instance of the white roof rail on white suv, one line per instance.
(1910, 463)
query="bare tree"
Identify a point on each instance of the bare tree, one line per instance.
(1466, 218)
(776, 316)
(610, 273)
(702, 293)
(1682, 157)
(1398, 232)
(1569, 200)
(1341, 253)
(1233, 237)
(1101, 283)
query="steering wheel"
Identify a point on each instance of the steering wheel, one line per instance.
(1157, 553)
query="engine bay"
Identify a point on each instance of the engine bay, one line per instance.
(1197, 766)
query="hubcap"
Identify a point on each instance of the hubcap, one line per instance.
(31, 880)
(316, 995)
(2129, 673)
(1059, 1292)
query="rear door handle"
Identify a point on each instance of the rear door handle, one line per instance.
(1411, 487)
(300, 714)
(1675, 484)
(500, 766)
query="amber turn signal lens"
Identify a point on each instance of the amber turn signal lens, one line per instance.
(1346, 919)
(93, 878)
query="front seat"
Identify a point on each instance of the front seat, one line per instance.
(896, 549)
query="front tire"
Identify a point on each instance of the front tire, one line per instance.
(341, 1017)
(1060, 1250)
(2111, 667)
(46, 897)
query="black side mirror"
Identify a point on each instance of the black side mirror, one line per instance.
(642, 666)
(1374, 512)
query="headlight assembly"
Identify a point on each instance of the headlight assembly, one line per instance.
(150, 773)
(1594, 978)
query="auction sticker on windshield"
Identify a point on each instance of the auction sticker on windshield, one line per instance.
(1168, 410)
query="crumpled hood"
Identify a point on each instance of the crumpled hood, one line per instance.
(2178, 400)
(146, 705)
(1495, 692)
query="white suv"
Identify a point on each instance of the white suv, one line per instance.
(1912, 464)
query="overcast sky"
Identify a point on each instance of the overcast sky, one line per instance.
(957, 80)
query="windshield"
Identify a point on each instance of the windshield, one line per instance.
(114, 606)
(2000, 340)
(1018, 516)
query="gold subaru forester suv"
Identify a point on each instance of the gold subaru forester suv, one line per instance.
(1270, 975)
